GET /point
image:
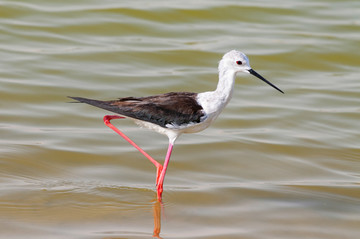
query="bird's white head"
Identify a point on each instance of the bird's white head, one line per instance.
(235, 61)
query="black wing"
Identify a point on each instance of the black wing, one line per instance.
(175, 108)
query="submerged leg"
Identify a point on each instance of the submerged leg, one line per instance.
(159, 167)
(160, 182)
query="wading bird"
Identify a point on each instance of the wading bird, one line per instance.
(175, 113)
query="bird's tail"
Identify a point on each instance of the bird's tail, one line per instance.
(106, 105)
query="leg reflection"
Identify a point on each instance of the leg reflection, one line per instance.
(157, 206)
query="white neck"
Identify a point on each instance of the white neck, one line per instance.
(225, 87)
(213, 102)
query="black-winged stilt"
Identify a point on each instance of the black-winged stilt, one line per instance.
(177, 112)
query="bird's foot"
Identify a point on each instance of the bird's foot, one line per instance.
(107, 118)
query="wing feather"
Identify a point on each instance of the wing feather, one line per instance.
(174, 108)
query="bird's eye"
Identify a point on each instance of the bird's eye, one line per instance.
(239, 62)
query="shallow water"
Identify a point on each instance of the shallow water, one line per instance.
(272, 166)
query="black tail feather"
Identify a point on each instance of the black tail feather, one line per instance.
(106, 105)
(84, 100)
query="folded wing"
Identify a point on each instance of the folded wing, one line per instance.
(174, 108)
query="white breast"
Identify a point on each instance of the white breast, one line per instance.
(212, 104)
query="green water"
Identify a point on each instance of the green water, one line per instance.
(272, 165)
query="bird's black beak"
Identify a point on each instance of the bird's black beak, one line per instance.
(254, 73)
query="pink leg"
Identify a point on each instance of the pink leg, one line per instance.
(160, 182)
(159, 167)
